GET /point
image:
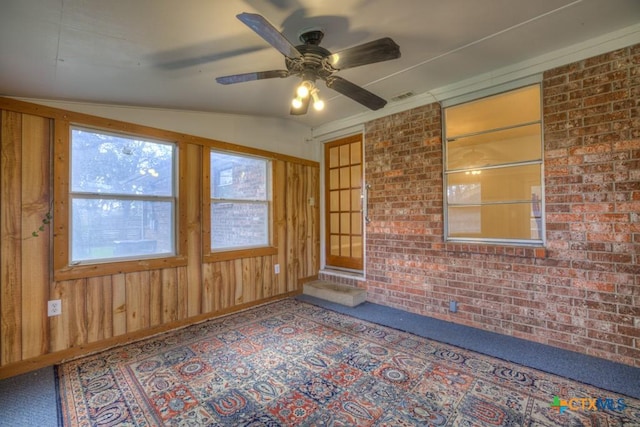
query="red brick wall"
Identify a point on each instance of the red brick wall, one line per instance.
(581, 292)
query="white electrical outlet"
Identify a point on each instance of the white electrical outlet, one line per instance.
(54, 308)
(276, 268)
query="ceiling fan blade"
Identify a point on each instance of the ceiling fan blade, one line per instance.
(269, 33)
(355, 92)
(383, 49)
(247, 77)
(303, 109)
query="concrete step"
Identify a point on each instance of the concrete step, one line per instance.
(340, 294)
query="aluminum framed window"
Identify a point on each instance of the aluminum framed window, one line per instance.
(493, 168)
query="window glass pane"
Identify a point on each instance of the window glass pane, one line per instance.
(500, 221)
(519, 144)
(514, 183)
(114, 228)
(503, 110)
(109, 164)
(239, 225)
(238, 177)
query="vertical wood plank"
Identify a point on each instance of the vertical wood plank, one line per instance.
(137, 286)
(155, 297)
(267, 276)
(216, 280)
(182, 277)
(170, 306)
(194, 228)
(119, 304)
(36, 179)
(226, 284)
(257, 284)
(237, 284)
(280, 224)
(70, 328)
(208, 297)
(10, 235)
(294, 244)
(314, 243)
(99, 308)
(249, 279)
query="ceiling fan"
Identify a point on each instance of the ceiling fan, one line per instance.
(312, 62)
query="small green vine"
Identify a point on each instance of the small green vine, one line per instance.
(46, 220)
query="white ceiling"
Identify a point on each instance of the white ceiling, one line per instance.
(167, 53)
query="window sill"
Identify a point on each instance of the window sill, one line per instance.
(108, 268)
(242, 253)
(492, 249)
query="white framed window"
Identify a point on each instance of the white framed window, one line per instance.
(493, 168)
(240, 201)
(122, 197)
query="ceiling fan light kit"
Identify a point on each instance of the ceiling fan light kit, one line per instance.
(312, 62)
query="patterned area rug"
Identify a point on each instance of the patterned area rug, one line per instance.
(293, 364)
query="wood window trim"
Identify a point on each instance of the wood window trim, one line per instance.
(62, 269)
(226, 255)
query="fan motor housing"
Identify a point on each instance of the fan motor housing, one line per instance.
(312, 56)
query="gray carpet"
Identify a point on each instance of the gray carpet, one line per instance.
(611, 376)
(31, 399)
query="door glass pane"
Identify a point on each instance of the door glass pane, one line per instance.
(334, 200)
(345, 246)
(345, 224)
(335, 244)
(345, 177)
(334, 179)
(356, 176)
(344, 200)
(356, 246)
(334, 157)
(344, 155)
(335, 221)
(356, 152)
(356, 223)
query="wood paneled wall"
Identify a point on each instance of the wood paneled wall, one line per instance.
(100, 311)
